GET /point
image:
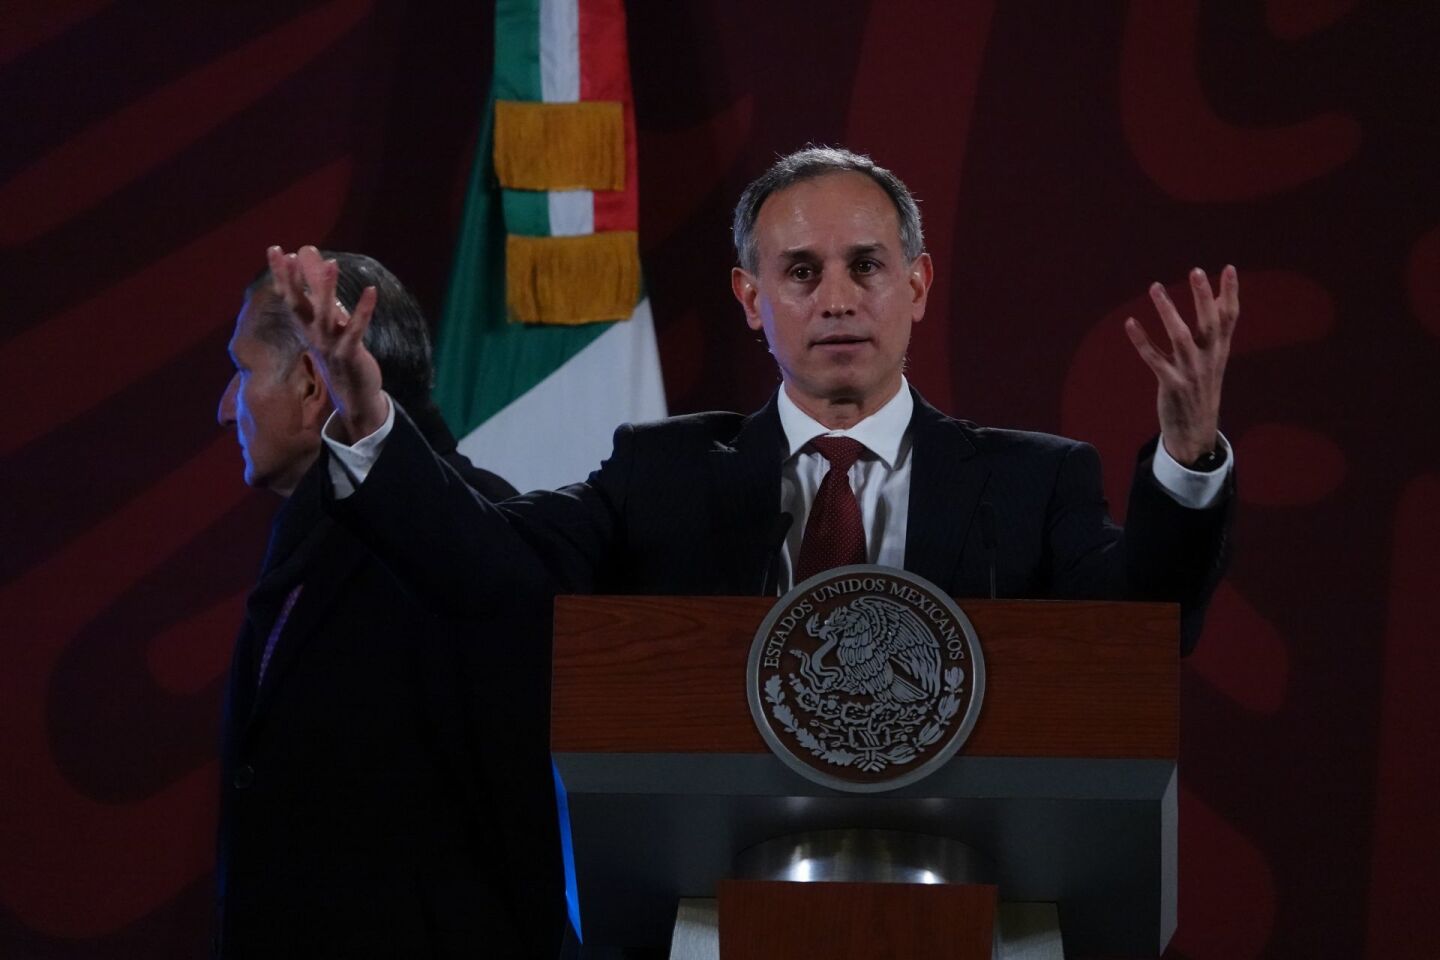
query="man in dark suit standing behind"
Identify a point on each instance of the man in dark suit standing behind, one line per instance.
(375, 799)
(832, 269)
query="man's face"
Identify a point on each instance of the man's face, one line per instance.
(833, 293)
(273, 406)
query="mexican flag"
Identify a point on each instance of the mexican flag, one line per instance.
(546, 340)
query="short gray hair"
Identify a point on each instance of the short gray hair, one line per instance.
(808, 164)
(272, 324)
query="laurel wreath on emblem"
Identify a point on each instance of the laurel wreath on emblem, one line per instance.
(884, 651)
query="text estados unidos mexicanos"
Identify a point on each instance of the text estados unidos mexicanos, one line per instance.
(938, 616)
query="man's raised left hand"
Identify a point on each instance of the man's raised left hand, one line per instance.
(1189, 377)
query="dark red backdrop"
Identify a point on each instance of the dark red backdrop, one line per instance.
(1066, 154)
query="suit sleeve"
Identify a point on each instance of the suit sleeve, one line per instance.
(1166, 552)
(469, 555)
(491, 486)
(1173, 552)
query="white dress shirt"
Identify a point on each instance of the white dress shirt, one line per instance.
(350, 464)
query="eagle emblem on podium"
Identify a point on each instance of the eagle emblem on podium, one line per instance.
(865, 678)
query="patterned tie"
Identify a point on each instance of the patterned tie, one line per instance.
(834, 533)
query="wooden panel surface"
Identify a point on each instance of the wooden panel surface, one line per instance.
(765, 920)
(667, 675)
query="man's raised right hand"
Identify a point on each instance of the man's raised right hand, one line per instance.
(334, 337)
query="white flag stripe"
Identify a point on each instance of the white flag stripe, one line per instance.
(560, 429)
(560, 51)
(572, 213)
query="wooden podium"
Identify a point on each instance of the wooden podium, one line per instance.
(1067, 783)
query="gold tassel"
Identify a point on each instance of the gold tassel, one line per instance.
(572, 280)
(560, 146)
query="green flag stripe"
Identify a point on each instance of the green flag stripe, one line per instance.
(517, 77)
(527, 212)
(517, 50)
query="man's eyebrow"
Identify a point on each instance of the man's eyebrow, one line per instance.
(857, 250)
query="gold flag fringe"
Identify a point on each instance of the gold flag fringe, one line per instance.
(560, 146)
(572, 280)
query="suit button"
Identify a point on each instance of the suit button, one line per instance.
(244, 776)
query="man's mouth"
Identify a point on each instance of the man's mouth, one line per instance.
(840, 340)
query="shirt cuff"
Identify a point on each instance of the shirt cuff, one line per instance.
(350, 464)
(1192, 488)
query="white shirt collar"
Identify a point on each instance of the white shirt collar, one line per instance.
(882, 432)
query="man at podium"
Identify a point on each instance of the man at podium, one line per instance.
(845, 464)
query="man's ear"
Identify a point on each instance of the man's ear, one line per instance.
(922, 274)
(743, 285)
(310, 386)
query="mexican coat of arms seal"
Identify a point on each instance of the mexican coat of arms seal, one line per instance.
(865, 678)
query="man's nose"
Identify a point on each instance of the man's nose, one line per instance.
(837, 294)
(225, 413)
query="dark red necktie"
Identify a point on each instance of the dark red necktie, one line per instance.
(834, 533)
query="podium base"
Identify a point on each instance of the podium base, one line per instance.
(1023, 931)
(864, 856)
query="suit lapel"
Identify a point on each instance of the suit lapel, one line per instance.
(328, 557)
(744, 480)
(946, 486)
